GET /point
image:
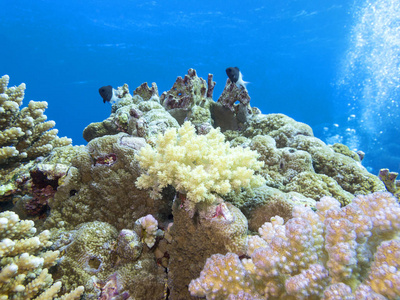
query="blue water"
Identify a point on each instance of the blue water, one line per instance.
(332, 66)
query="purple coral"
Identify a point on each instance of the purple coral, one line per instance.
(108, 159)
(210, 86)
(43, 188)
(112, 288)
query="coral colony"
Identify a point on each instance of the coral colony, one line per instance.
(178, 196)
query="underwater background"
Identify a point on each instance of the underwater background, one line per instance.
(333, 66)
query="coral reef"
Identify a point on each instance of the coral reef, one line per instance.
(25, 262)
(349, 250)
(197, 166)
(25, 134)
(146, 92)
(233, 94)
(25, 139)
(209, 189)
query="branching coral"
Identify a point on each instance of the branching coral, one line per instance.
(25, 133)
(198, 166)
(333, 251)
(24, 264)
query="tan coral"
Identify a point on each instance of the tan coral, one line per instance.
(25, 261)
(25, 134)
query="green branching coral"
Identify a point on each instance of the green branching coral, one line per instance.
(25, 133)
(199, 166)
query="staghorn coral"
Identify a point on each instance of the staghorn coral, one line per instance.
(25, 134)
(349, 251)
(24, 262)
(198, 166)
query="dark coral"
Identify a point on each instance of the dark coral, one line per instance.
(108, 159)
(210, 86)
(44, 188)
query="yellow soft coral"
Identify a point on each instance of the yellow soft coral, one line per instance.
(199, 166)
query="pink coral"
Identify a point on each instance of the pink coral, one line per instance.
(349, 251)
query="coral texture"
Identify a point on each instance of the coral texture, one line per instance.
(297, 161)
(99, 186)
(133, 115)
(24, 262)
(198, 166)
(185, 93)
(108, 264)
(231, 94)
(350, 250)
(218, 229)
(25, 133)
(389, 179)
(147, 227)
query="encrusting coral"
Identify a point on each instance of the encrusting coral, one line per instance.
(197, 166)
(99, 186)
(25, 133)
(352, 250)
(24, 262)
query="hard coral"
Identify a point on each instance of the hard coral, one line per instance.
(45, 180)
(103, 192)
(25, 261)
(233, 94)
(185, 92)
(24, 134)
(351, 250)
(389, 179)
(199, 166)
